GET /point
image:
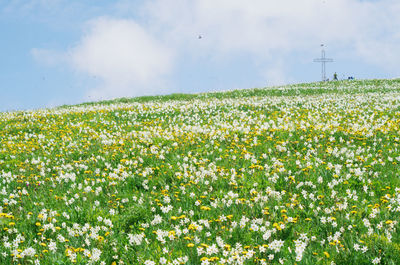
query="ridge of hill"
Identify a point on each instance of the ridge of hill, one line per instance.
(315, 88)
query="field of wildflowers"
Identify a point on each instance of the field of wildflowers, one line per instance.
(302, 174)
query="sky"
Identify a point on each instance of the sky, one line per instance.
(55, 52)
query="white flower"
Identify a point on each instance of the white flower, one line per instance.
(30, 252)
(52, 246)
(96, 253)
(262, 249)
(276, 245)
(205, 262)
(157, 220)
(136, 239)
(356, 247)
(376, 260)
(212, 250)
(166, 209)
(364, 249)
(267, 235)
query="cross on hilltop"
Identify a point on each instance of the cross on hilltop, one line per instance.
(323, 60)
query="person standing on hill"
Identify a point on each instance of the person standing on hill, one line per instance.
(335, 76)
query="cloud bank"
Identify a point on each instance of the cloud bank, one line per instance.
(139, 58)
(267, 28)
(126, 57)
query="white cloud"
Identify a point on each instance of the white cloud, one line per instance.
(378, 39)
(126, 57)
(137, 59)
(257, 26)
(270, 29)
(275, 75)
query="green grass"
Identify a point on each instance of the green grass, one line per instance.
(305, 174)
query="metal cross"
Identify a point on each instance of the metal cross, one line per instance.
(323, 60)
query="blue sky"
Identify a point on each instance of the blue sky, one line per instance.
(55, 52)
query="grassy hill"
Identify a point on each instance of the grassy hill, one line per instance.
(305, 174)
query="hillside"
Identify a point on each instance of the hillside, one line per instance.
(305, 174)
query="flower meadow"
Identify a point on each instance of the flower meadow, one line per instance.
(300, 174)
